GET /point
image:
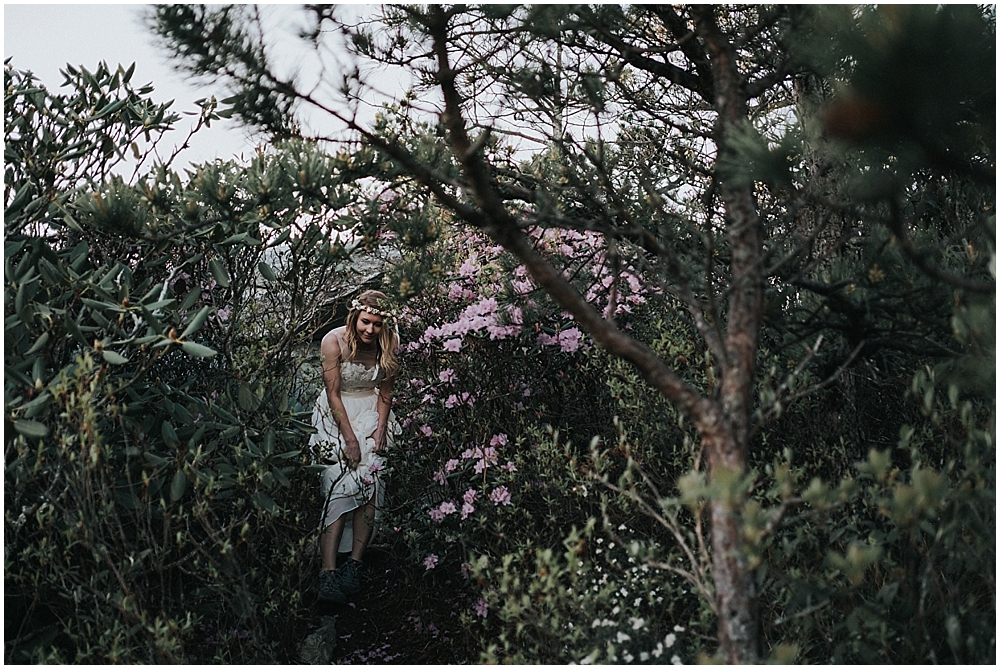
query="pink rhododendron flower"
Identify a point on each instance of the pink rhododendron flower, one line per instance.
(487, 456)
(430, 561)
(451, 402)
(469, 496)
(509, 467)
(458, 293)
(447, 376)
(448, 507)
(500, 495)
(480, 608)
(426, 430)
(569, 340)
(451, 465)
(498, 440)
(436, 515)
(467, 509)
(470, 267)
(439, 477)
(454, 345)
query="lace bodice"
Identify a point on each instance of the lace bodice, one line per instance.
(361, 374)
(356, 378)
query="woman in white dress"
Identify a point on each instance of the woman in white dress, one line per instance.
(354, 424)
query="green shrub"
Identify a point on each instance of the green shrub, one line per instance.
(157, 507)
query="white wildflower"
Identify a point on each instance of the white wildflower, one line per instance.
(675, 660)
(622, 637)
(670, 640)
(628, 657)
(678, 628)
(658, 651)
(644, 656)
(637, 623)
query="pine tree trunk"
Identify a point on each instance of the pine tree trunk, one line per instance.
(735, 588)
(725, 438)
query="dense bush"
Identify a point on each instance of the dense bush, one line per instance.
(572, 498)
(156, 503)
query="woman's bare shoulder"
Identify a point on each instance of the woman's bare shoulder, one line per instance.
(332, 343)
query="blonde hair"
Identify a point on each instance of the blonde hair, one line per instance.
(385, 345)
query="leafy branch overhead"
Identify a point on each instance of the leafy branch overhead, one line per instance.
(778, 175)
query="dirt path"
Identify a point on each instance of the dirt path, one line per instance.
(394, 620)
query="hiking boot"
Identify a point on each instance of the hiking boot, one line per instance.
(350, 576)
(330, 589)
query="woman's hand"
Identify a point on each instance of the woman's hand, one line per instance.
(352, 451)
(378, 436)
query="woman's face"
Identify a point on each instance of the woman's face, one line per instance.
(368, 328)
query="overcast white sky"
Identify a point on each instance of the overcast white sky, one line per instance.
(43, 38)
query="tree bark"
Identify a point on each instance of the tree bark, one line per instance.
(725, 443)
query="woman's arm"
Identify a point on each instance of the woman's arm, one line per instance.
(330, 352)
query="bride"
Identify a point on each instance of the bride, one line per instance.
(354, 423)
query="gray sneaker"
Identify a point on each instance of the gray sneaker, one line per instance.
(330, 588)
(350, 576)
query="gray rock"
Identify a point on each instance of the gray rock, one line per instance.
(318, 647)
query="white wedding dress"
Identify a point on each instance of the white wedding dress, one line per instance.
(346, 489)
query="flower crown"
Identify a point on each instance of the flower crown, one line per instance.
(358, 306)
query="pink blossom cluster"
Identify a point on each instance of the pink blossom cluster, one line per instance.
(445, 509)
(475, 285)
(484, 315)
(500, 495)
(484, 457)
(568, 340)
(456, 400)
(430, 561)
(468, 506)
(578, 247)
(480, 608)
